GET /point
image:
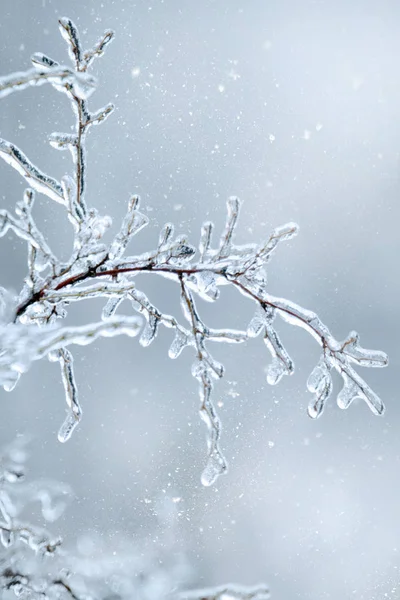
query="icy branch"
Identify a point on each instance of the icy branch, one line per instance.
(35, 178)
(98, 268)
(229, 592)
(81, 83)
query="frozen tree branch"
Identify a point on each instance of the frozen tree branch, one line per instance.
(29, 324)
(50, 72)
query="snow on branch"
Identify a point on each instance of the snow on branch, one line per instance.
(30, 323)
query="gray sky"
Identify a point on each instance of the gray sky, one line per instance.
(294, 107)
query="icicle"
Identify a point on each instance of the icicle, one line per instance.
(263, 317)
(150, 330)
(13, 378)
(67, 428)
(275, 371)
(6, 537)
(216, 466)
(348, 393)
(178, 344)
(74, 415)
(320, 384)
(281, 364)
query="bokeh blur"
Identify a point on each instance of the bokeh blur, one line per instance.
(294, 106)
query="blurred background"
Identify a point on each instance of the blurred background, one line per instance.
(294, 106)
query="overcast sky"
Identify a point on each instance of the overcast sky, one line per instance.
(294, 106)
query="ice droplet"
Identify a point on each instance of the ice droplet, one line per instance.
(320, 384)
(178, 344)
(348, 393)
(67, 428)
(6, 537)
(216, 466)
(275, 371)
(149, 331)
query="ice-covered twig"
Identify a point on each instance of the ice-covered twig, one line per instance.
(74, 415)
(58, 75)
(99, 48)
(35, 178)
(228, 592)
(98, 269)
(204, 370)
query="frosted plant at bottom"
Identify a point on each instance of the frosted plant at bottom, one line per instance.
(34, 565)
(30, 324)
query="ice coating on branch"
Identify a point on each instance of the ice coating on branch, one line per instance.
(205, 285)
(40, 60)
(263, 317)
(233, 206)
(133, 222)
(228, 592)
(74, 415)
(35, 178)
(320, 384)
(150, 329)
(70, 34)
(100, 115)
(63, 141)
(59, 76)
(205, 240)
(281, 363)
(97, 268)
(348, 393)
(111, 307)
(98, 49)
(180, 341)
(361, 356)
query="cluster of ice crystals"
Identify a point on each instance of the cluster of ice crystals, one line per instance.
(30, 326)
